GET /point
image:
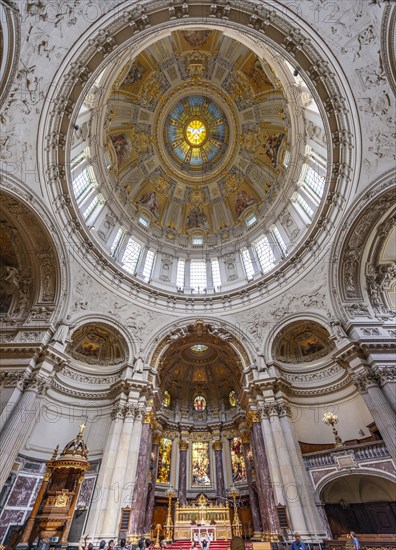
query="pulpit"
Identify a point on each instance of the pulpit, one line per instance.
(53, 509)
(201, 518)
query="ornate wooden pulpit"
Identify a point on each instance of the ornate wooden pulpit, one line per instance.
(52, 513)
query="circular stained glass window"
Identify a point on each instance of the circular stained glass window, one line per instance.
(196, 133)
(199, 348)
(199, 403)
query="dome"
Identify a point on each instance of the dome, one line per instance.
(188, 181)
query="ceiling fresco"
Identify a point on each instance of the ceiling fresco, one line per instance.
(198, 128)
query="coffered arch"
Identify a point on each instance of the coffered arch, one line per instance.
(362, 239)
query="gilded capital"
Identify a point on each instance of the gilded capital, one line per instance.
(183, 445)
(217, 445)
(253, 417)
(157, 438)
(245, 437)
(150, 418)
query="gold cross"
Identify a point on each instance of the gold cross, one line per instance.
(82, 426)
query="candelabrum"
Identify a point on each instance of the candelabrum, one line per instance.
(236, 523)
(331, 419)
(157, 538)
(169, 523)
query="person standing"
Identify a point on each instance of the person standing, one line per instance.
(297, 543)
(356, 545)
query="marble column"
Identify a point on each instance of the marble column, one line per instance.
(367, 384)
(268, 511)
(109, 525)
(316, 528)
(183, 446)
(139, 499)
(153, 480)
(366, 380)
(19, 423)
(387, 376)
(254, 505)
(102, 499)
(220, 485)
(291, 486)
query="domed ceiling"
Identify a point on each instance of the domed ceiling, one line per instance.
(197, 131)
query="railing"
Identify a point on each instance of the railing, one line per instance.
(368, 451)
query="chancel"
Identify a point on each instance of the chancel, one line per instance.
(197, 266)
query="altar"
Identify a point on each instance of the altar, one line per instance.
(198, 532)
(193, 521)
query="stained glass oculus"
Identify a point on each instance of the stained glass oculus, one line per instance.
(196, 133)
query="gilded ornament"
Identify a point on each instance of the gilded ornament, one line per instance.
(61, 500)
(217, 445)
(183, 445)
(253, 417)
(150, 418)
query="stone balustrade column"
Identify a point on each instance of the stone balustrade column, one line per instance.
(254, 505)
(269, 516)
(153, 480)
(103, 498)
(220, 484)
(183, 448)
(20, 422)
(139, 499)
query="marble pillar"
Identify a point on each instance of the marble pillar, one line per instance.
(269, 515)
(291, 486)
(183, 446)
(117, 493)
(220, 484)
(139, 499)
(254, 505)
(383, 415)
(102, 498)
(19, 424)
(366, 380)
(153, 479)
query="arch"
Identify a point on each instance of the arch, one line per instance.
(38, 285)
(10, 32)
(130, 347)
(358, 471)
(160, 342)
(253, 24)
(290, 319)
(302, 342)
(349, 251)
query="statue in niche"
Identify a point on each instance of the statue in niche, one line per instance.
(9, 285)
(242, 201)
(122, 146)
(134, 75)
(149, 201)
(272, 146)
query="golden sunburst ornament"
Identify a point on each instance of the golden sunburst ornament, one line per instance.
(196, 132)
